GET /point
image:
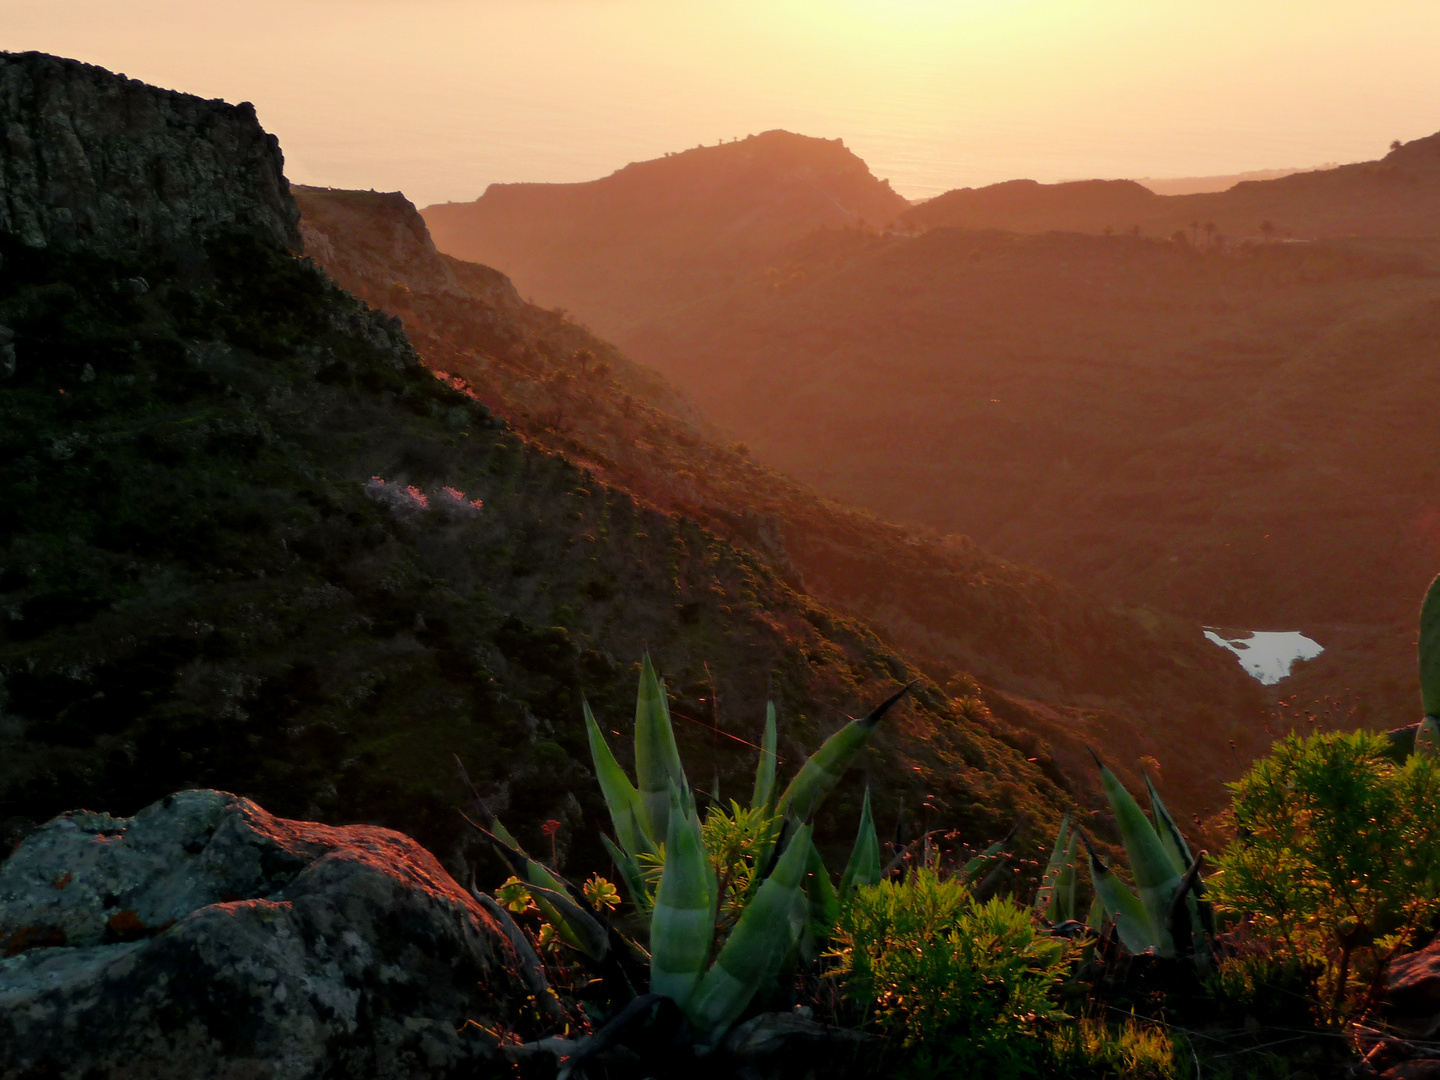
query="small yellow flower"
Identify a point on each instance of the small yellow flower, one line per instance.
(515, 896)
(601, 893)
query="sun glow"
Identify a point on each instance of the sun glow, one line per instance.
(441, 97)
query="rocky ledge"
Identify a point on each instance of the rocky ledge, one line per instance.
(205, 937)
(94, 159)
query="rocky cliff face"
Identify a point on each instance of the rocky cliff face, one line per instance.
(90, 158)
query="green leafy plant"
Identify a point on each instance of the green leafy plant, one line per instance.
(1093, 1048)
(729, 901)
(961, 986)
(1336, 859)
(1167, 912)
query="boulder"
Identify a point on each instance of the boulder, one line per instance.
(1414, 991)
(205, 937)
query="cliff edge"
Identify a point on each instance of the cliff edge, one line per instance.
(92, 158)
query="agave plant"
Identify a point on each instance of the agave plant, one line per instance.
(710, 966)
(790, 892)
(1166, 913)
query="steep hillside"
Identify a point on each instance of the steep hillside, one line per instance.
(1398, 195)
(662, 231)
(204, 580)
(1129, 681)
(1244, 439)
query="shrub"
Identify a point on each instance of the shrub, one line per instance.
(1337, 859)
(1129, 1049)
(962, 987)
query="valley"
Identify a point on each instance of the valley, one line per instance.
(1235, 434)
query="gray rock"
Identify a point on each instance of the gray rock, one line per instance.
(205, 937)
(92, 158)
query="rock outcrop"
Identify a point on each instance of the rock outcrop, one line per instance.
(205, 937)
(95, 159)
(1414, 991)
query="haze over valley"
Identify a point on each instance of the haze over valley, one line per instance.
(1213, 404)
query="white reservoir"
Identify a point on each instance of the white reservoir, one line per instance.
(1266, 654)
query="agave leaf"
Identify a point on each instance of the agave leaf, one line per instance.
(989, 860)
(751, 957)
(657, 759)
(824, 904)
(864, 865)
(490, 822)
(765, 770)
(1430, 650)
(569, 921)
(823, 769)
(1096, 919)
(629, 873)
(1427, 737)
(1170, 835)
(574, 924)
(682, 922)
(626, 810)
(1066, 886)
(1132, 921)
(1047, 897)
(1156, 877)
(569, 924)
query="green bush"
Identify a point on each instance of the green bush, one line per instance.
(961, 987)
(1132, 1048)
(1336, 860)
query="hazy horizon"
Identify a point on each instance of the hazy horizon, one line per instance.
(439, 98)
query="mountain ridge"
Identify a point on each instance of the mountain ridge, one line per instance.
(712, 211)
(1398, 195)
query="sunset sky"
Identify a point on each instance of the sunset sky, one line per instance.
(440, 97)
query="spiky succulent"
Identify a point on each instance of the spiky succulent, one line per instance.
(791, 897)
(1055, 899)
(1166, 912)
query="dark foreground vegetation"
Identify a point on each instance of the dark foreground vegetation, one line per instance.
(1285, 961)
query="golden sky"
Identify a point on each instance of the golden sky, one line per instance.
(440, 97)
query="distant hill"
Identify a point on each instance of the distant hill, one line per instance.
(1141, 415)
(1026, 206)
(1398, 195)
(1242, 438)
(1199, 185)
(1056, 668)
(663, 231)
